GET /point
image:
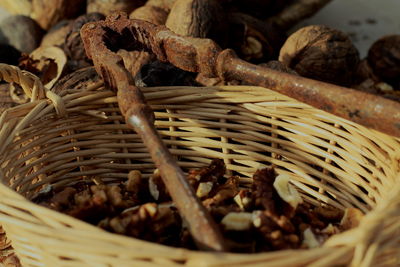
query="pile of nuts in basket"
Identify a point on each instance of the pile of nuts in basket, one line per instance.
(268, 215)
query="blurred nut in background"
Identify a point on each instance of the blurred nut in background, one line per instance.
(48, 13)
(73, 46)
(384, 59)
(56, 35)
(107, 7)
(196, 18)
(153, 14)
(21, 32)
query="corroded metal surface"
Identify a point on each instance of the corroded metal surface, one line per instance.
(363, 108)
(204, 56)
(102, 39)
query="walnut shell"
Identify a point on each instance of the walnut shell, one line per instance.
(108, 7)
(195, 18)
(48, 13)
(279, 66)
(21, 32)
(384, 58)
(73, 45)
(153, 14)
(56, 35)
(163, 4)
(321, 53)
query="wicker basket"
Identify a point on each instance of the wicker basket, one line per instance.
(80, 135)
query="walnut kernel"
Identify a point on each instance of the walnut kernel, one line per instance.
(286, 191)
(237, 221)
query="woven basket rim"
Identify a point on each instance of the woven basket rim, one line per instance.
(342, 244)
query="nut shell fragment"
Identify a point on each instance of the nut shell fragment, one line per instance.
(286, 191)
(310, 241)
(237, 221)
(351, 218)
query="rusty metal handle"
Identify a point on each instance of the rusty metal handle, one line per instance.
(102, 39)
(204, 56)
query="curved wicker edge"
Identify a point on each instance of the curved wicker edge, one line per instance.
(367, 244)
(31, 84)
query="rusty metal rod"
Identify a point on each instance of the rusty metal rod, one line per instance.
(206, 57)
(366, 109)
(100, 40)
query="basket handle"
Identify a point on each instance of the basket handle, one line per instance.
(31, 85)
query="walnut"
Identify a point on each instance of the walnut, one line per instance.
(309, 239)
(218, 212)
(210, 173)
(108, 7)
(223, 193)
(365, 72)
(152, 222)
(286, 191)
(305, 214)
(384, 59)
(157, 73)
(21, 32)
(62, 200)
(56, 35)
(114, 195)
(48, 13)
(321, 53)
(351, 218)
(77, 80)
(204, 189)
(163, 4)
(253, 39)
(214, 171)
(330, 230)
(252, 220)
(73, 46)
(153, 14)
(137, 186)
(267, 199)
(243, 199)
(329, 213)
(272, 236)
(196, 18)
(237, 221)
(157, 187)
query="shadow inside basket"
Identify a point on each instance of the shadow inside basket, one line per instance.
(331, 162)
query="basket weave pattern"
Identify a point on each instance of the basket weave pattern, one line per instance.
(59, 141)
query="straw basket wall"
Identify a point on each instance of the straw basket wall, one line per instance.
(60, 140)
